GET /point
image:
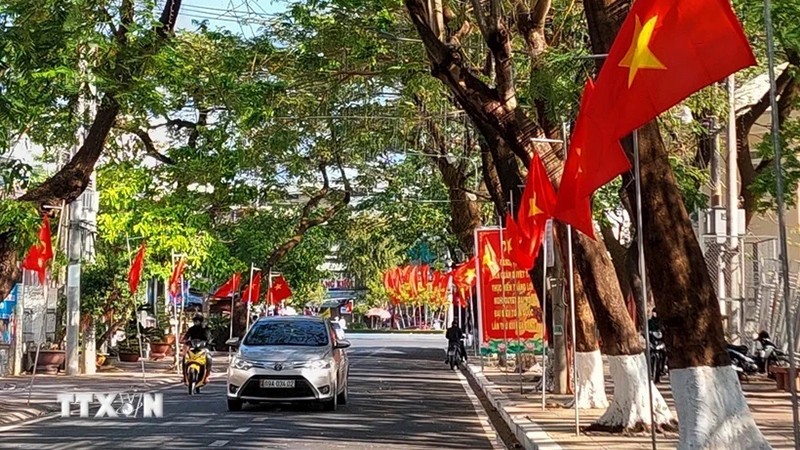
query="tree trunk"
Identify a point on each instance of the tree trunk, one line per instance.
(709, 400)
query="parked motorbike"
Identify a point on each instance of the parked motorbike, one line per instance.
(658, 355)
(195, 365)
(741, 362)
(769, 355)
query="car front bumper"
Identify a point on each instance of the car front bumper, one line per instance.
(309, 384)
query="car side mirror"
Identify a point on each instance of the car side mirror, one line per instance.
(232, 342)
(344, 343)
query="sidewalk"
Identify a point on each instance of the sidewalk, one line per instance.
(19, 403)
(555, 428)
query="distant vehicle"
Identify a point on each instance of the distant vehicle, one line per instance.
(337, 327)
(289, 359)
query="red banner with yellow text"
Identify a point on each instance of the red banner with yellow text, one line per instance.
(508, 302)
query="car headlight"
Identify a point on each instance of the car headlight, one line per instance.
(239, 363)
(315, 365)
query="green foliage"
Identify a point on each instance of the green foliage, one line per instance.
(20, 221)
(764, 187)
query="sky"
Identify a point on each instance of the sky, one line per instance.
(237, 16)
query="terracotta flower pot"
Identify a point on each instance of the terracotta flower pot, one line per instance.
(49, 361)
(129, 357)
(159, 349)
(169, 339)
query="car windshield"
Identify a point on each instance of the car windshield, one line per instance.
(288, 332)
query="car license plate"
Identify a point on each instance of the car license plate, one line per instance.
(277, 383)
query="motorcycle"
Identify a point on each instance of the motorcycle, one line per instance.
(453, 354)
(658, 356)
(195, 365)
(741, 362)
(769, 355)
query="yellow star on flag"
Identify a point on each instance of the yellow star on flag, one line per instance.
(533, 208)
(639, 55)
(469, 275)
(578, 152)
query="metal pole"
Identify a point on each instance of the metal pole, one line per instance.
(177, 327)
(38, 344)
(574, 331)
(516, 303)
(643, 275)
(481, 331)
(776, 145)
(249, 298)
(503, 295)
(135, 315)
(544, 320)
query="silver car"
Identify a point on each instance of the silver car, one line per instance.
(289, 359)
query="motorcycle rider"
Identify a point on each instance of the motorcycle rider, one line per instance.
(455, 336)
(653, 323)
(197, 331)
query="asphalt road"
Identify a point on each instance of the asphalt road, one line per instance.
(402, 396)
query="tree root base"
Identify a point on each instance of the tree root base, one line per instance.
(638, 428)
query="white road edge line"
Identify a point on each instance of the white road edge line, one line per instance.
(483, 417)
(14, 426)
(218, 444)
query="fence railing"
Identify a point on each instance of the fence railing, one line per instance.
(746, 274)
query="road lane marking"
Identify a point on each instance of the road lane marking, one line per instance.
(260, 419)
(242, 430)
(483, 418)
(218, 444)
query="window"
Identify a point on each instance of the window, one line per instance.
(304, 333)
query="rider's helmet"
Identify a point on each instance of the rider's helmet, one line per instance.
(763, 336)
(198, 319)
(455, 323)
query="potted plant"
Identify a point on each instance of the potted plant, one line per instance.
(50, 358)
(128, 350)
(155, 336)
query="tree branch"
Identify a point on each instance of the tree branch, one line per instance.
(150, 147)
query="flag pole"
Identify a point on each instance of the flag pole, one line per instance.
(516, 303)
(175, 318)
(503, 295)
(784, 259)
(544, 316)
(135, 315)
(249, 298)
(643, 276)
(574, 332)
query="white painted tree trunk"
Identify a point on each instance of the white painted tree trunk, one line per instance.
(713, 411)
(630, 408)
(591, 391)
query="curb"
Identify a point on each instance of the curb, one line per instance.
(528, 432)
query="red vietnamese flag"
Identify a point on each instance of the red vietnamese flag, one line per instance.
(465, 275)
(279, 290)
(665, 51)
(538, 200)
(522, 249)
(594, 158)
(230, 288)
(253, 290)
(175, 279)
(40, 253)
(135, 272)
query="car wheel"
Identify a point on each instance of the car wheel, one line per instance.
(342, 397)
(234, 404)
